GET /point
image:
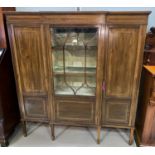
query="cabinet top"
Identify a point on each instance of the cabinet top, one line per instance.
(76, 18)
(82, 12)
(151, 69)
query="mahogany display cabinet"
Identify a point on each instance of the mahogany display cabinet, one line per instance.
(78, 68)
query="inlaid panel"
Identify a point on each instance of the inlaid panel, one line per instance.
(30, 58)
(73, 110)
(121, 60)
(35, 107)
(117, 111)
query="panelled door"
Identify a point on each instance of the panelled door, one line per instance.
(121, 56)
(29, 57)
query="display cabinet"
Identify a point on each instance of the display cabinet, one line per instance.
(78, 68)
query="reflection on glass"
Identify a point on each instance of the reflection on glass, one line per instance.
(74, 60)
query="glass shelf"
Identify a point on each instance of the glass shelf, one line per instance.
(70, 47)
(74, 60)
(74, 70)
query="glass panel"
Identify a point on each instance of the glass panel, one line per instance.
(74, 60)
(76, 86)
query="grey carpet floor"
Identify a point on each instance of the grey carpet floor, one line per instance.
(39, 136)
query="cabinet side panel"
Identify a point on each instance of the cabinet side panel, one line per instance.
(148, 136)
(143, 101)
(137, 74)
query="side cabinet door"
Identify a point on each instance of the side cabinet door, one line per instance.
(121, 56)
(29, 64)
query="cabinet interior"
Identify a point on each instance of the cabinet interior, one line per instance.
(74, 51)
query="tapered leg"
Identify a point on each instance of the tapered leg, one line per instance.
(52, 132)
(98, 134)
(24, 128)
(131, 136)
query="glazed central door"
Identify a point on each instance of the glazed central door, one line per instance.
(120, 67)
(74, 54)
